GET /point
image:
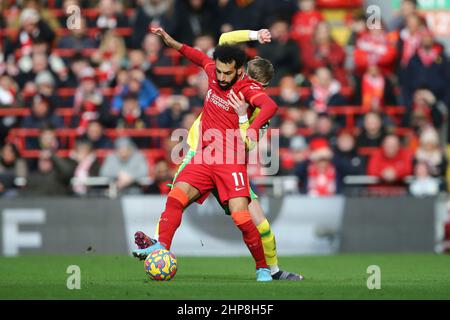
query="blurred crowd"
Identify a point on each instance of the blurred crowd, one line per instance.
(374, 106)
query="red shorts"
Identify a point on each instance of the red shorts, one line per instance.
(230, 180)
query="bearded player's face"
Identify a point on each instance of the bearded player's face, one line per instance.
(227, 74)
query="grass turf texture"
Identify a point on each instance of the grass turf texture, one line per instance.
(328, 277)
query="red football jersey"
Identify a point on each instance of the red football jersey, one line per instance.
(219, 120)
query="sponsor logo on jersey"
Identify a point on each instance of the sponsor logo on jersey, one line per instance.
(216, 100)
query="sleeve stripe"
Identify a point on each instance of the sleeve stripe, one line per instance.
(255, 96)
(207, 65)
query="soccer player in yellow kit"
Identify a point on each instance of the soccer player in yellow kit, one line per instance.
(261, 70)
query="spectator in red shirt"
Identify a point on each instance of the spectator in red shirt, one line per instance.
(323, 51)
(391, 163)
(305, 21)
(322, 174)
(374, 48)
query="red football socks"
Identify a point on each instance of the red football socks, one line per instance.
(171, 217)
(251, 237)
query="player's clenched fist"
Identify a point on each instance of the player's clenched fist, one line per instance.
(264, 36)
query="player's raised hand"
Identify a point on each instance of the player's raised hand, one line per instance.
(168, 40)
(264, 36)
(158, 31)
(238, 103)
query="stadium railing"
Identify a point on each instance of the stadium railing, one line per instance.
(69, 136)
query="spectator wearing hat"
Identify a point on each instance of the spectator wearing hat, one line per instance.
(46, 87)
(30, 67)
(89, 103)
(322, 174)
(391, 163)
(125, 166)
(32, 28)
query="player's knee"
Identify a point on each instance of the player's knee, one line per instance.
(190, 191)
(180, 195)
(241, 217)
(256, 212)
(238, 204)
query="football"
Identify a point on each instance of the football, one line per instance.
(161, 265)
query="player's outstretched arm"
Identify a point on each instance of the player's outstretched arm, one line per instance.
(239, 36)
(168, 40)
(195, 56)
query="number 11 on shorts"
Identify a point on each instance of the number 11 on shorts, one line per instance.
(239, 184)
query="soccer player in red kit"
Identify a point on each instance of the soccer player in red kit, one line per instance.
(215, 165)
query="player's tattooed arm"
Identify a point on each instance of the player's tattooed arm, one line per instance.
(168, 40)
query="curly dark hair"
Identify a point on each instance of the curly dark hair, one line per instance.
(229, 53)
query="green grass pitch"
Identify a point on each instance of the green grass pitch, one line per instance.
(327, 277)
